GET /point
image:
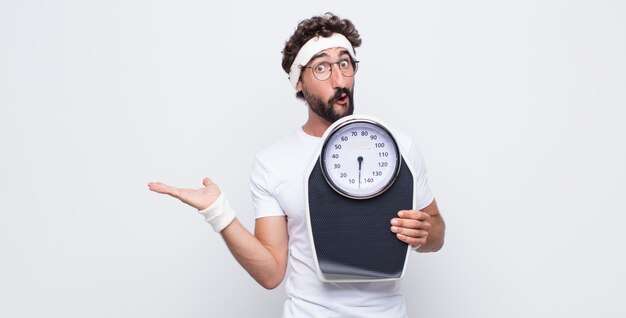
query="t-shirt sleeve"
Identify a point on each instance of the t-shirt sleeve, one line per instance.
(424, 195)
(263, 200)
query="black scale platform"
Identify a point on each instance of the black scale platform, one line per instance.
(352, 238)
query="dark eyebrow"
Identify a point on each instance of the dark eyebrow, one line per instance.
(322, 54)
(344, 52)
(317, 56)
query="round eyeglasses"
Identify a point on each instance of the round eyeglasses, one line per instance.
(323, 70)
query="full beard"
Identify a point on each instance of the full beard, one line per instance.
(326, 109)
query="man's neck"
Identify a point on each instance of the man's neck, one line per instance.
(315, 125)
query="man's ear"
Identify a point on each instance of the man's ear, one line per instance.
(299, 86)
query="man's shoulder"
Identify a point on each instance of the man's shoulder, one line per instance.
(292, 148)
(279, 147)
(404, 141)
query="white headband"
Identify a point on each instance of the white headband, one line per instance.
(314, 46)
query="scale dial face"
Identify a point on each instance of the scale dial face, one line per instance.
(360, 159)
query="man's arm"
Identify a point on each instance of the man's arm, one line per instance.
(263, 255)
(423, 229)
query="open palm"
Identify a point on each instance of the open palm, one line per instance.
(200, 198)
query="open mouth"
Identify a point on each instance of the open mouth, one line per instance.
(343, 99)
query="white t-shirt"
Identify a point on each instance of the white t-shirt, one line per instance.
(277, 184)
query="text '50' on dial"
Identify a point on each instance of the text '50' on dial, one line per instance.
(360, 159)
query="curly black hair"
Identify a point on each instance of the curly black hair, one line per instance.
(324, 25)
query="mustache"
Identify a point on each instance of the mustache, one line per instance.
(338, 93)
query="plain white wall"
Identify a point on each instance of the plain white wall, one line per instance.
(518, 108)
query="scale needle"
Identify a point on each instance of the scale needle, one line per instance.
(360, 159)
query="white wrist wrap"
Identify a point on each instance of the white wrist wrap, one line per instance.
(219, 214)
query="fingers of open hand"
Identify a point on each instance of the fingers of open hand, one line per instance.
(162, 188)
(200, 198)
(207, 181)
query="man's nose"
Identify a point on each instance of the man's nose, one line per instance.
(336, 77)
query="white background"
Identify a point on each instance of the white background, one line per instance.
(518, 108)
